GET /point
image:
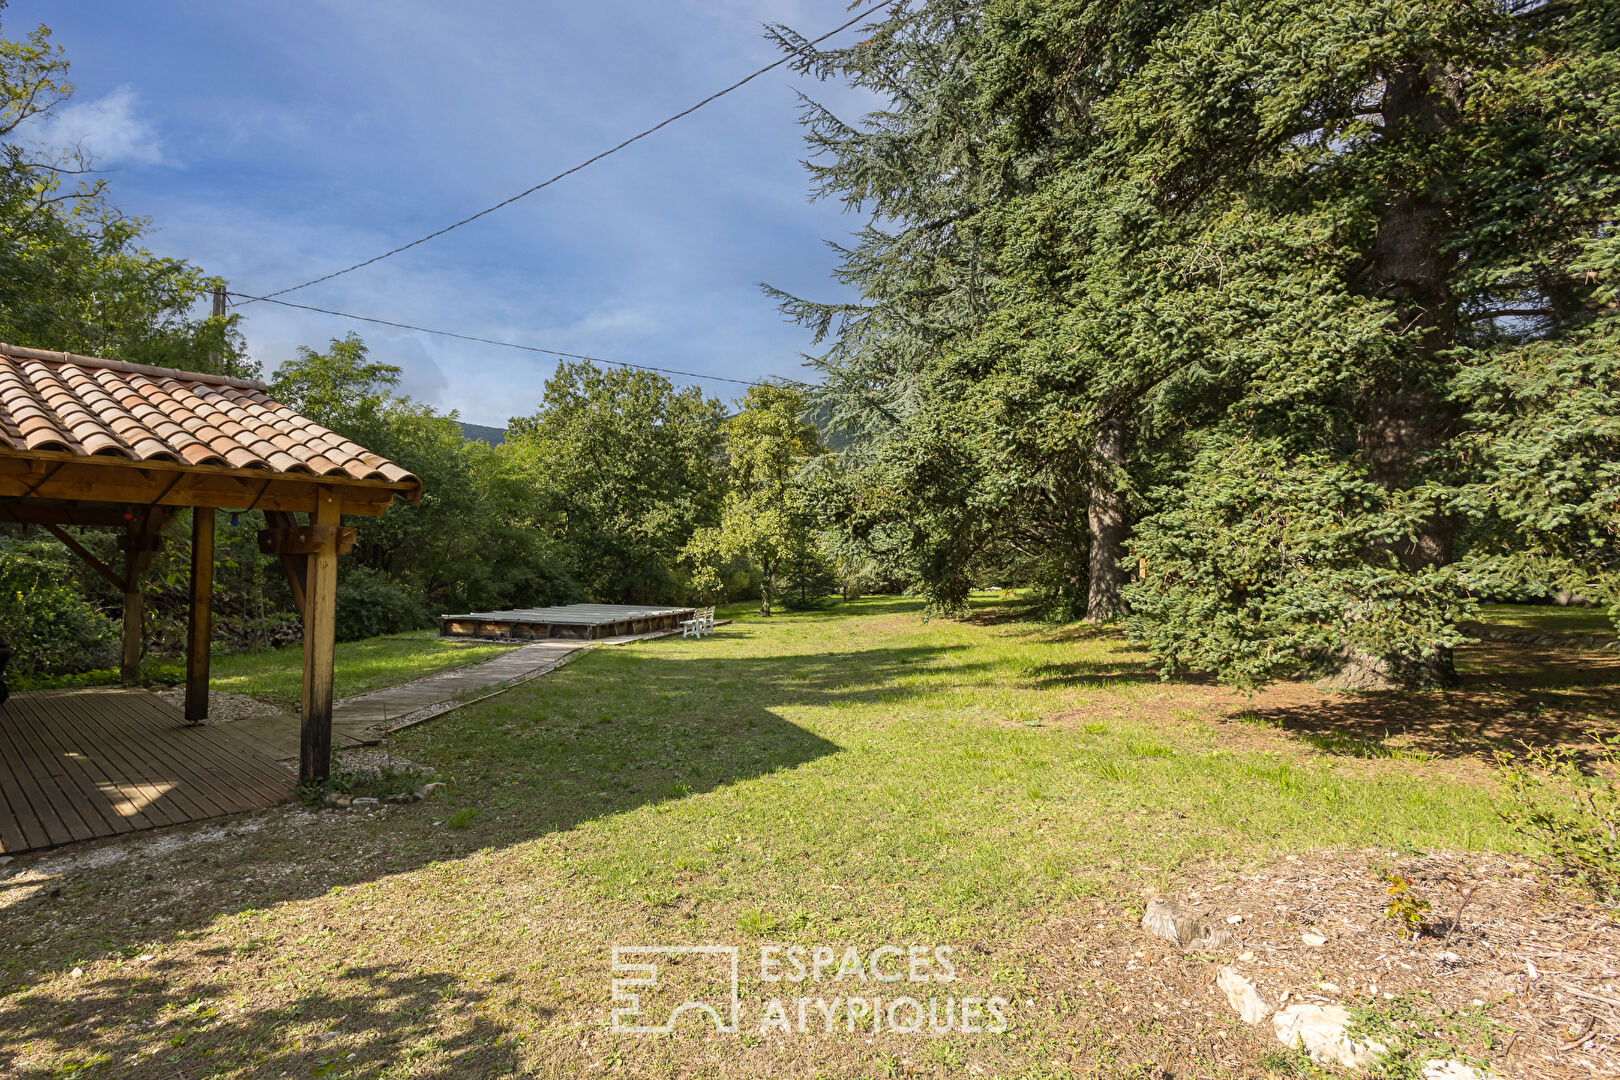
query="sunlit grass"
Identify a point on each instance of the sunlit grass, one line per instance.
(858, 776)
(276, 675)
(984, 767)
(1547, 618)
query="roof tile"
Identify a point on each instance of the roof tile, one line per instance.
(57, 402)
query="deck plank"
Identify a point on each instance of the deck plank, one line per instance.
(166, 782)
(102, 761)
(213, 758)
(52, 808)
(122, 772)
(65, 743)
(22, 824)
(215, 761)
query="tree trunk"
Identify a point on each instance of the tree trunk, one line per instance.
(765, 592)
(1406, 419)
(1105, 517)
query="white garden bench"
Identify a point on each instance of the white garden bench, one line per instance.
(702, 622)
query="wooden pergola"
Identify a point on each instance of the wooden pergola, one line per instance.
(93, 443)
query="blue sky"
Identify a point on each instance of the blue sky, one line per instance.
(271, 143)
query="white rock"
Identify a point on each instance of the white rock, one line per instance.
(1320, 1031)
(1452, 1070)
(365, 800)
(1241, 994)
(76, 973)
(1312, 939)
(1234, 919)
(146, 957)
(1246, 954)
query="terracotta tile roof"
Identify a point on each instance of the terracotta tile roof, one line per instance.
(66, 404)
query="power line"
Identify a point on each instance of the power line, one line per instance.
(504, 344)
(588, 161)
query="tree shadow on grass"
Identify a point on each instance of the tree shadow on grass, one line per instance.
(157, 1019)
(616, 731)
(1509, 695)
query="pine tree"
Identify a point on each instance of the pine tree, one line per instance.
(1322, 294)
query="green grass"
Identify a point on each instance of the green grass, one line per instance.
(361, 666)
(1547, 618)
(778, 759)
(851, 777)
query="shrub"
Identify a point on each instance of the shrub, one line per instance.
(52, 627)
(1572, 812)
(369, 604)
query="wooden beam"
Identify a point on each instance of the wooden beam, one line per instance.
(305, 539)
(82, 552)
(47, 512)
(320, 610)
(115, 480)
(200, 624)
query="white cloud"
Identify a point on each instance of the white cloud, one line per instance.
(109, 129)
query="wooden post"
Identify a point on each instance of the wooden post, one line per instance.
(200, 626)
(129, 664)
(141, 541)
(320, 610)
(218, 313)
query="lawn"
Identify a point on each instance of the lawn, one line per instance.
(853, 778)
(1547, 619)
(276, 675)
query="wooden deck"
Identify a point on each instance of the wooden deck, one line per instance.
(586, 622)
(80, 764)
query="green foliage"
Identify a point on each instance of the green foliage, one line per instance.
(48, 621)
(1404, 908)
(1340, 280)
(341, 388)
(370, 605)
(624, 469)
(1264, 562)
(150, 674)
(476, 541)
(1570, 807)
(1417, 1033)
(73, 275)
(765, 520)
(1544, 444)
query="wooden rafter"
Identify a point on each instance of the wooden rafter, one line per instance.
(115, 580)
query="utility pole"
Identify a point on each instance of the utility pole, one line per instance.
(218, 313)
